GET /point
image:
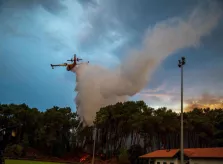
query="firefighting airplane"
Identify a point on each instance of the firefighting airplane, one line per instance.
(69, 66)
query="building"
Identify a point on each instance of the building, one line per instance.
(191, 156)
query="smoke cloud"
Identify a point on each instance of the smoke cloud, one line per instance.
(98, 87)
(205, 101)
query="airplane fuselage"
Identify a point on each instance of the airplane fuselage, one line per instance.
(68, 66)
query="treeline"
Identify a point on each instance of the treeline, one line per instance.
(48, 131)
(123, 125)
(134, 123)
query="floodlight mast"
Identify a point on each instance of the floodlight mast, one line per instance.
(181, 64)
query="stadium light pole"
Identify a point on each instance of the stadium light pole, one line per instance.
(181, 65)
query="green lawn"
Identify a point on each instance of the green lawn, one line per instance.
(26, 162)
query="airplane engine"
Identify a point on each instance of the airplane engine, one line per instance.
(68, 68)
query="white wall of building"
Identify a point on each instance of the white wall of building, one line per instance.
(192, 161)
(206, 161)
(167, 160)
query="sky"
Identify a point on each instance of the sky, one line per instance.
(37, 33)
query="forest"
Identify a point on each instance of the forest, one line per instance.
(131, 125)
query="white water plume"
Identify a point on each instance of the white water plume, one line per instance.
(98, 86)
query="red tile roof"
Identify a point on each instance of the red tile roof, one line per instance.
(191, 153)
(161, 154)
(204, 152)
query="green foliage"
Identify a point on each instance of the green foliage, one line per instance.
(14, 150)
(123, 156)
(25, 140)
(120, 125)
(156, 127)
(134, 152)
(47, 131)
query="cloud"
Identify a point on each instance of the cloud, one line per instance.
(194, 96)
(35, 34)
(101, 27)
(40, 32)
(54, 7)
(206, 100)
(98, 86)
(171, 98)
(128, 18)
(163, 95)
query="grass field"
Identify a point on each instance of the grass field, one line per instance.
(26, 162)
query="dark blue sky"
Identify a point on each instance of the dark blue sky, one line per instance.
(34, 34)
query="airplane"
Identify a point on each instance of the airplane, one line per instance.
(69, 66)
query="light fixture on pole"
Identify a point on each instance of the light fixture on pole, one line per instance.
(181, 64)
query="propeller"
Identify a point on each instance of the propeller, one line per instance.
(71, 60)
(78, 59)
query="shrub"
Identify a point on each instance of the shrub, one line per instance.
(14, 150)
(134, 152)
(123, 157)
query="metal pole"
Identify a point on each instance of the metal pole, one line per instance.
(94, 136)
(182, 137)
